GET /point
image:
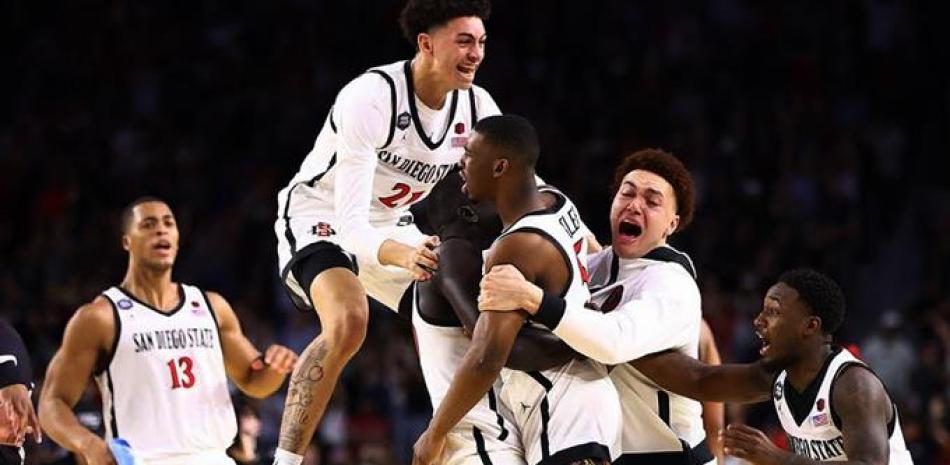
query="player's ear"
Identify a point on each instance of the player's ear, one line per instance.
(500, 166)
(126, 242)
(813, 325)
(424, 43)
(673, 225)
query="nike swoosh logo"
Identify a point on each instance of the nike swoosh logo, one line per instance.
(8, 358)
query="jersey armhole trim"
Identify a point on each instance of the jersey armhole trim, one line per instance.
(474, 110)
(392, 106)
(117, 334)
(214, 316)
(557, 246)
(831, 393)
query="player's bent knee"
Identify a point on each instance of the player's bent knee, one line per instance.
(348, 328)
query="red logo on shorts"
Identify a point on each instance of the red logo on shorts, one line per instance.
(459, 128)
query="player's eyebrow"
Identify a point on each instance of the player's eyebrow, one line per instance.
(466, 35)
(649, 190)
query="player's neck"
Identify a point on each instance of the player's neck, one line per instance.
(152, 287)
(518, 200)
(804, 371)
(429, 88)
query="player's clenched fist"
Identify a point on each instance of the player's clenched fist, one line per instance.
(277, 358)
(428, 449)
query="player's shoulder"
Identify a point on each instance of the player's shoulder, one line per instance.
(370, 86)
(95, 315)
(856, 388)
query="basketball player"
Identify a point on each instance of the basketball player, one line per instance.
(650, 292)
(17, 417)
(344, 229)
(161, 353)
(543, 237)
(445, 313)
(831, 405)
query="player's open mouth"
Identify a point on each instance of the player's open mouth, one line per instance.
(162, 245)
(765, 343)
(467, 71)
(628, 228)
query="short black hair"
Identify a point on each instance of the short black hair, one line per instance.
(821, 293)
(420, 16)
(513, 134)
(128, 212)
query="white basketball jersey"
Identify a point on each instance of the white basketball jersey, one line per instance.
(562, 225)
(441, 350)
(571, 408)
(654, 420)
(165, 389)
(422, 146)
(817, 436)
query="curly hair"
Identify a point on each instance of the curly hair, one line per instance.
(420, 16)
(668, 167)
(822, 295)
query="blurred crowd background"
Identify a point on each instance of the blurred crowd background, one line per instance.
(817, 133)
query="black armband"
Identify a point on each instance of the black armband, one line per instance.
(550, 311)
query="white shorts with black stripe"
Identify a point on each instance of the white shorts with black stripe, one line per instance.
(386, 284)
(565, 414)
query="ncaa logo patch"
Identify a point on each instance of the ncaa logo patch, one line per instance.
(402, 121)
(778, 391)
(820, 420)
(124, 304)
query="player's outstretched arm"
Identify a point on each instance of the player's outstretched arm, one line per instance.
(534, 349)
(492, 340)
(257, 375)
(684, 375)
(88, 339)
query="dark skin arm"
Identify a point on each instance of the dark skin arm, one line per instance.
(686, 376)
(540, 262)
(864, 408)
(460, 262)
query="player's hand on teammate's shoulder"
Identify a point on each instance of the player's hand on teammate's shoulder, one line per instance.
(748, 443)
(95, 451)
(428, 449)
(504, 288)
(424, 260)
(278, 358)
